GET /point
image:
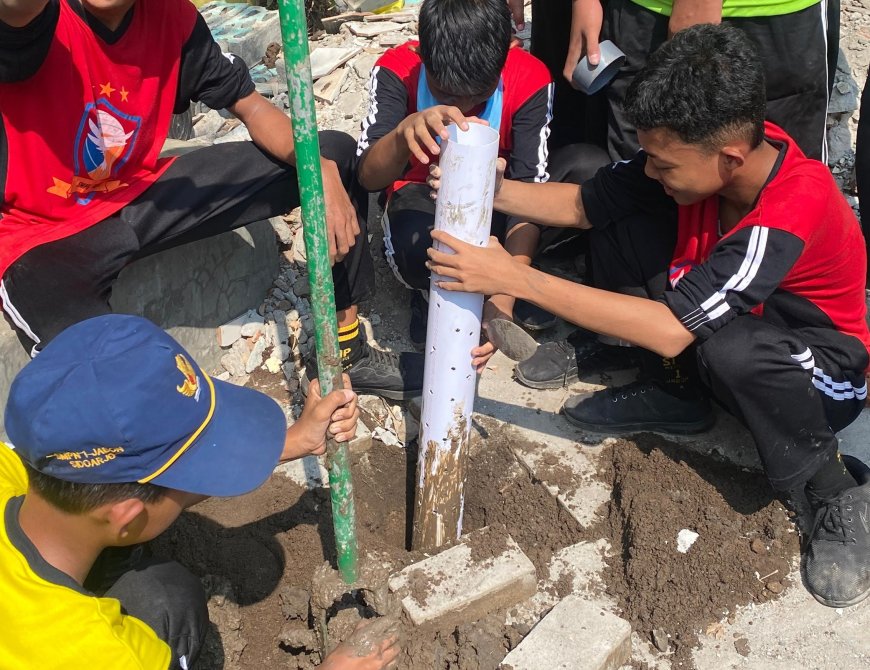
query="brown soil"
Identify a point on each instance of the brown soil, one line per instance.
(743, 553)
(257, 556)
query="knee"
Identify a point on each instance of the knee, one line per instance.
(576, 163)
(730, 353)
(339, 147)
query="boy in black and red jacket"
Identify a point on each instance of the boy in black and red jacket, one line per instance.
(723, 249)
(465, 64)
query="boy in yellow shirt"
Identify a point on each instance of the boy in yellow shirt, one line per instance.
(116, 431)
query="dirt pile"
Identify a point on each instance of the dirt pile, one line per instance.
(743, 552)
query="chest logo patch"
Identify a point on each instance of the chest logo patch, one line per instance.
(104, 142)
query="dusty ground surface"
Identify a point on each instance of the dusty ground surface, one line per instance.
(743, 552)
(257, 555)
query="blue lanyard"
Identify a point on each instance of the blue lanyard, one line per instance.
(491, 112)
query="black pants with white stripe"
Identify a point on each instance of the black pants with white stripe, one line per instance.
(793, 49)
(782, 384)
(203, 193)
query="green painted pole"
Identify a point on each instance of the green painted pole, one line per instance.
(294, 30)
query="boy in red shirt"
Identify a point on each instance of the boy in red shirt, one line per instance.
(723, 248)
(464, 65)
(87, 93)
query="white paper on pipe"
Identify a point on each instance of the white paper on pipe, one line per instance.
(463, 209)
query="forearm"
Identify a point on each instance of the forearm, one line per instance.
(646, 323)
(270, 129)
(384, 162)
(686, 13)
(551, 203)
(521, 242)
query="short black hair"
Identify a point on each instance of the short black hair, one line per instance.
(706, 85)
(78, 498)
(464, 43)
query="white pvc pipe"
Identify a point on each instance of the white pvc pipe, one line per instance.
(463, 209)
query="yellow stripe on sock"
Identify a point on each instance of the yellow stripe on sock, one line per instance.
(346, 329)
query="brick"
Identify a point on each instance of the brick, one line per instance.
(459, 587)
(575, 635)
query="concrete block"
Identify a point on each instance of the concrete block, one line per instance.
(325, 59)
(372, 29)
(485, 572)
(326, 89)
(242, 29)
(189, 290)
(231, 331)
(575, 635)
(395, 39)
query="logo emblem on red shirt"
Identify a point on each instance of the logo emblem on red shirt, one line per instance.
(104, 141)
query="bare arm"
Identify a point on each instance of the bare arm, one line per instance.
(272, 131)
(416, 135)
(552, 203)
(687, 13)
(18, 13)
(646, 323)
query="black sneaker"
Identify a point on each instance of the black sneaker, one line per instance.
(419, 320)
(387, 374)
(531, 317)
(637, 407)
(838, 556)
(558, 364)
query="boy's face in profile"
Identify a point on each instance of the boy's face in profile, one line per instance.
(465, 103)
(689, 172)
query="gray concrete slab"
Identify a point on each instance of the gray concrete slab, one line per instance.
(461, 586)
(575, 635)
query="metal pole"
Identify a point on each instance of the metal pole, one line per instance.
(463, 209)
(294, 30)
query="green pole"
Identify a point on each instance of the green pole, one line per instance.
(294, 30)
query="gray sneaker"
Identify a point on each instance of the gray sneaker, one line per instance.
(561, 363)
(838, 556)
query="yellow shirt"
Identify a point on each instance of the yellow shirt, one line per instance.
(732, 9)
(48, 621)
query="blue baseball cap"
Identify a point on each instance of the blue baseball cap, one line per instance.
(114, 399)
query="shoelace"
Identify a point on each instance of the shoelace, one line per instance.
(630, 390)
(383, 359)
(831, 520)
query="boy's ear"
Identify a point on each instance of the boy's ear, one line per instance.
(733, 156)
(124, 516)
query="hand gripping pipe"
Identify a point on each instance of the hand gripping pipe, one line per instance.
(463, 209)
(295, 33)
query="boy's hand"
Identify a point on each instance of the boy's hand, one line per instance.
(420, 129)
(492, 309)
(342, 226)
(336, 415)
(586, 19)
(469, 267)
(516, 7)
(374, 645)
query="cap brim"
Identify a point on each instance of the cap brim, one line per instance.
(237, 451)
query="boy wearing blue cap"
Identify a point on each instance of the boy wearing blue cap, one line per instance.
(116, 431)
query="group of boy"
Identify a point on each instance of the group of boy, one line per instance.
(717, 249)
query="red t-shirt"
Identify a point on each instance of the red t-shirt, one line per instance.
(84, 132)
